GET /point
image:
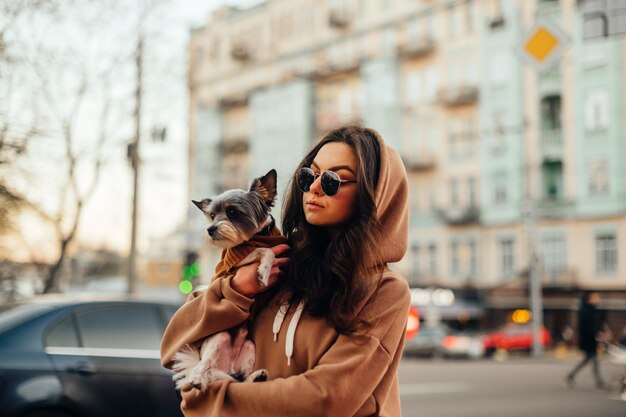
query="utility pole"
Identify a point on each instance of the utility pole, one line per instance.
(133, 156)
(530, 222)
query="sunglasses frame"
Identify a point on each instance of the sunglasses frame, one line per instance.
(334, 177)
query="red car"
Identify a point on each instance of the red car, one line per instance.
(513, 336)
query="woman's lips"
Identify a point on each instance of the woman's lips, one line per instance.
(313, 205)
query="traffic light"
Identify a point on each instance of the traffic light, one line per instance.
(190, 273)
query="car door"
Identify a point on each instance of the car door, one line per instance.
(107, 357)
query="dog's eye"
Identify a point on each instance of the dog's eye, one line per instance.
(212, 215)
(232, 213)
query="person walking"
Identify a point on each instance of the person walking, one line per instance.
(330, 328)
(589, 331)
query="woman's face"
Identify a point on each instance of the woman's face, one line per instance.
(329, 211)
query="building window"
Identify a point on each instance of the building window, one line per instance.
(594, 52)
(471, 189)
(432, 254)
(431, 85)
(596, 109)
(414, 88)
(551, 113)
(500, 67)
(507, 257)
(389, 41)
(606, 253)
(553, 255)
(598, 178)
(415, 250)
(552, 173)
(454, 259)
(454, 193)
(499, 191)
(473, 259)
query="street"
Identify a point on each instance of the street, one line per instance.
(516, 387)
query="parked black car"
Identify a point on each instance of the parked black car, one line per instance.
(85, 358)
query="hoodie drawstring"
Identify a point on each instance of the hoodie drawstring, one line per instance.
(291, 330)
(278, 319)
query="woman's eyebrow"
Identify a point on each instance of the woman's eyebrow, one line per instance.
(335, 168)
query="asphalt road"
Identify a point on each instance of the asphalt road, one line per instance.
(516, 387)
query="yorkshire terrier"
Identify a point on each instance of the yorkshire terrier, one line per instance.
(237, 221)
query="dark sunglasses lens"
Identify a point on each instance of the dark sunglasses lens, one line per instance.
(330, 183)
(305, 179)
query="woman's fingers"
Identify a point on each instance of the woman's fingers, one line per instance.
(280, 262)
(280, 249)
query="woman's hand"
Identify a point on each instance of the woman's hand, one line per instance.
(245, 280)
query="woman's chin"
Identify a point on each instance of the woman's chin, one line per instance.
(314, 219)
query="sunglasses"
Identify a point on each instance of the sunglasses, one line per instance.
(330, 181)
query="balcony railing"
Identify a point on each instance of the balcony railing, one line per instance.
(240, 51)
(560, 278)
(551, 144)
(234, 145)
(417, 47)
(458, 95)
(419, 161)
(557, 207)
(233, 100)
(457, 215)
(338, 18)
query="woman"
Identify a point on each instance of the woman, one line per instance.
(588, 333)
(344, 312)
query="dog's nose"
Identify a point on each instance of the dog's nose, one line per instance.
(211, 230)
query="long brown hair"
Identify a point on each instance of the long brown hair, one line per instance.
(332, 273)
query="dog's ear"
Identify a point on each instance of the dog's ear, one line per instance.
(266, 187)
(203, 205)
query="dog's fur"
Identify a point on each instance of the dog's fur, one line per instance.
(235, 216)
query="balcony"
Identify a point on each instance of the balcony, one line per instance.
(338, 18)
(559, 279)
(458, 95)
(554, 208)
(419, 161)
(456, 215)
(551, 144)
(417, 47)
(240, 51)
(343, 64)
(233, 100)
(234, 145)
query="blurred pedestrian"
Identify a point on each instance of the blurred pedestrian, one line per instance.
(588, 335)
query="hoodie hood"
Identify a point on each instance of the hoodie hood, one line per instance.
(392, 197)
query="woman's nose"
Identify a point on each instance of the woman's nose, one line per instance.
(316, 186)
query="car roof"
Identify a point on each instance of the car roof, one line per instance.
(59, 300)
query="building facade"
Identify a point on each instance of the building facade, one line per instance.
(503, 160)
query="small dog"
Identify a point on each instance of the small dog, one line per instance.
(235, 217)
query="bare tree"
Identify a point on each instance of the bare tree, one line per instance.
(77, 66)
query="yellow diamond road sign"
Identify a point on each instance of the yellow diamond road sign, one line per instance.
(544, 44)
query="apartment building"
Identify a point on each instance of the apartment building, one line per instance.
(501, 157)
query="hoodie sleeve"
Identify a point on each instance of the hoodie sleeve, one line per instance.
(341, 383)
(206, 312)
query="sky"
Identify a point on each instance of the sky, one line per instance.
(163, 195)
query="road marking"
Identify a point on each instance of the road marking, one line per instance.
(433, 388)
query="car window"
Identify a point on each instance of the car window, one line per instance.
(167, 312)
(123, 327)
(63, 334)
(517, 330)
(20, 314)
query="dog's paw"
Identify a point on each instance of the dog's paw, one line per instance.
(257, 376)
(263, 274)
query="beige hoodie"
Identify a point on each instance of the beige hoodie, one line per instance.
(313, 371)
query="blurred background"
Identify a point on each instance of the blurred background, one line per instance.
(509, 116)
